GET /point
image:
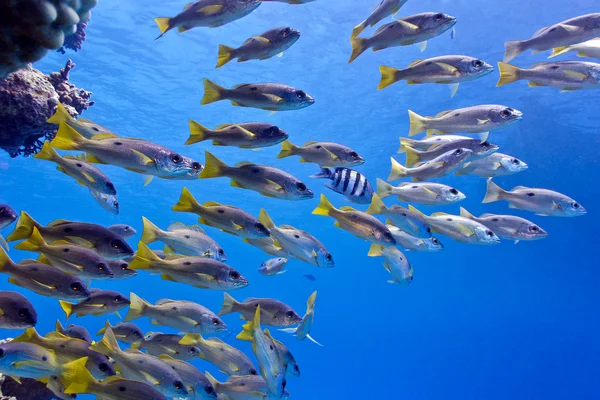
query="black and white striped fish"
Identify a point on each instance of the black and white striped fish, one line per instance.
(348, 182)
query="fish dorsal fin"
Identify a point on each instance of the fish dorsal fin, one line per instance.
(541, 30)
(188, 5)
(211, 204)
(286, 226)
(56, 335)
(412, 64)
(310, 142)
(58, 222)
(251, 299)
(439, 214)
(164, 301)
(442, 113)
(347, 208)
(223, 126)
(196, 228)
(244, 164)
(486, 215)
(173, 257)
(175, 226)
(519, 188)
(102, 136)
(569, 28)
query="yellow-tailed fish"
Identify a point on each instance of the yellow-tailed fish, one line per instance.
(395, 263)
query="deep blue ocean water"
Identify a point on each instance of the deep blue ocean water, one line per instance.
(506, 321)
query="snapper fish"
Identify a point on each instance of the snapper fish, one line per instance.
(565, 75)
(400, 217)
(348, 182)
(74, 331)
(260, 47)
(273, 266)
(508, 226)
(326, 154)
(157, 343)
(122, 230)
(413, 243)
(266, 96)
(7, 217)
(206, 13)
(120, 269)
(273, 312)
(438, 167)
(100, 302)
(249, 135)
(449, 70)
(197, 384)
(383, 10)
(108, 201)
(540, 201)
(249, 387)
(27, 360)
(395, 262)
(405, 31)
(565, 33)
(125, 332)
(428, 143)
(303, 330)
(590, 49)
(426, 193)
(289, 362)
(478, 148)
(497, 164)
(16, 312)
(475, 119)
(85, 127)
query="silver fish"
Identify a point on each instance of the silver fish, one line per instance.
(273, 312)
(74, 331)
(497, 164)
(273, 266)
(427, 193)
(591, 49)
(401, 217)
(122, 230)
(395, 262)
(326, 154)
(383, 10)
(348, 182)
(248, 387)
(16, 312)
(84, 126)
(108, 201)
(429, 142)
(440, 166)
(120, 269)
(565, 75)
(249, 135)
(197, 384)
(409, 242)
(157, 343)
(100, 302)
(508, 226)
(478, 148)
(125, 332)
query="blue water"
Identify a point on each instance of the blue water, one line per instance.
(509, 321)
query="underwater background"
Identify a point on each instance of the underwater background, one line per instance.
(507, 321)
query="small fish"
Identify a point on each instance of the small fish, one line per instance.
(123, 230)
(71, 259)
(16, 312)
(68, 349)
(273, 312)
(590, 49)
(565, 75)
(7, 217)
(450, 70)
(300, 244)
(80, 381)
(200, 272)
(401, 217)
(403, 32)
(427, 193)
(429, 142)
(395, 262)
(409, 242)
(440, 166)
(274, 266)
(266, 96)
(260, 47)
(83, 172)
(508, 226)
(74, 331)
(226, 218)
(301, 332)
(250, 135)
(120, 269)
(497, 164)
(571, 31)
(27, 360)
(125, 332)
(360, 224)
(348, 182)
(197, 384)
(309, 277)
(383, 10)
(326, 154)
(227, 358)
(189, 241)
(208, 13)
(141, 367)
(476, 119)
(157, 343)
(270, 360)
(108, 201)
(43, 279)
(249, 387)
(459, 228)
(540, 201)
(58, 389)
(187, 316)
(105, 242)
(268, 181)
(268, 246)
(85, 127)
(478, 149)
(135, 155)
(100, 302)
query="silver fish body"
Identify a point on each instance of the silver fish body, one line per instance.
(565, 75)
(100, 302)
(438, 167)
(123, 230)
(273, 266)
(413, 243)
(272, 312)
(478, 149)
(157, 343)
(260, 47)
(497, 164)
(509, 226)
(427, 193)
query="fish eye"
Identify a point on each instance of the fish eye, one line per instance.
(178, 385)
(209, 389)
(95, 129)
(216, 321)
(328, 257)
(260, 227)
(505, 113)
(576, 205)
(489, 233)
(478, 63)
(103, 367)
(192, 350)
(44, 358)
(435, 241)
(234, 274)
(115, 204)
(65, 250)
(534, 228)
(122, 389)
(176, 158)
(23, 312)
(196, 165)
(301, 186)
(117, 299)
(124, 267)
(290, 314)
(253, 371)
(486, 144)
(297, 368)
(273, 130)
(101, 267)
(2, 352)
(458, 152)
(300, 94)
(515, 161)
(286, 32)
(221, 252)
(530, 194)
(76, 287)
(110, 186)
(353, 154)
(2, 210)
(116, 244)
(438, 17)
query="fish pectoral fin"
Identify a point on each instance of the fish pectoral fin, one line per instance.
(150, 378)
(275, 185)
(337, 224)
(88, 177)
(51, 287)
(569, 28)
(211, 10)
(273, 98)
(331, 154)
(81, 242)
(465, 230)
(237, 226)
(93, 159)
(188, 320)
(236, 184)
(496, 165)
(447, 67)
(261, 39)
(482, 121)
(412, 64)
(148, 179)
(580, 76)
(423, 45)
(387, 267)
(142, 158)
(408, 25)
(454, 89)
(205, 276)
(534, 84)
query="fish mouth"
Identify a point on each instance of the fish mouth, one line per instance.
(517, 114)
(449, 23)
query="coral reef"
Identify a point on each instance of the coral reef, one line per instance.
(29, 98)
(75, 41)
(32, 27)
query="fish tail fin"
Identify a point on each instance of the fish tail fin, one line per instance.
(465, 214)
(228, 304)
(412, 156)
(508, 74)
(198, 133)
(287, 149)
(35, 242)
(388, 76)
(47, 153)
(75, 377)
(377, 205)
(493, 193)
(310, 303)
(557, 51)
(418, 123)
(212, 92)
(213, 381)
(66, 307)
(151, 232)
(359, 45)
(136, 308)
(358, 29)
(59, 327)
(264, 218)
(186, 202)
(214, 167)
(325, 207)
(108, 345)
(67, 138)
(164, 24)
(60, 115)
(5, 260)
(398, 171)
(225, 55)
(376, 250)
(405, 142)
(104, 328)
(513, 49)
(24, 228)
(384, 189)
(144, 258)
(247, 332)
(325, 173)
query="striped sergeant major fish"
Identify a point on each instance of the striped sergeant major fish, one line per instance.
(348, 182)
